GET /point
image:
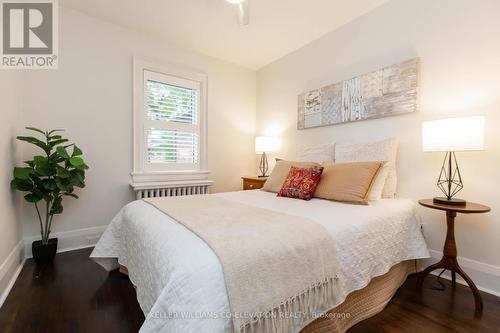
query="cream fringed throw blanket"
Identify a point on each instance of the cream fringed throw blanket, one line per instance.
(274, 264)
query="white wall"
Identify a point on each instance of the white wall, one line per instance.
(90, 96)
(10, 225)
(458, 42)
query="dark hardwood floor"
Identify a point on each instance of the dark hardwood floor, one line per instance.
(75, 295)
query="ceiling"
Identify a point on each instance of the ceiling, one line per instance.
(277, 27)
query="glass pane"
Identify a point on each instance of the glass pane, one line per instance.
(172, 146)
(167, 102)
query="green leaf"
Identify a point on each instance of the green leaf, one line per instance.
(57, 142)
(47, 197)
(55, 130)
(49, 184)
(33, 197)
(23, 173)
(77, 151)
(76, 161)
(45, 169)
(62, 152)
(64, 185)
(57, 207)
(77, 178)
(21, 184)
(35, 129)
(35, 179)
(76, 182)
(78, 174)
(63, 173)
(30, 163)
(71, 195)
(56, 158)
(39, 159)
(82, 167)
(35, 142)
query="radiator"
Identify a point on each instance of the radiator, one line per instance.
(170, 190)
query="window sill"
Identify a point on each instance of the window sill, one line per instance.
(169, 176)
(170, 184)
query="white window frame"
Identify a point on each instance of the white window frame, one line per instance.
(164, 172)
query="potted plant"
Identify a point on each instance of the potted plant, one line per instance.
(48, 178)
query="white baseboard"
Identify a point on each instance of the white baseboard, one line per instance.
(69, 240)
(485, 276)
(10, 269)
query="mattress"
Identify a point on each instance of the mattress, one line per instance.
(179, 280)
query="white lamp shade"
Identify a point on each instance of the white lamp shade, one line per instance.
(453, 134)
(265, 144)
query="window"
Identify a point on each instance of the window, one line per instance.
(169, 123)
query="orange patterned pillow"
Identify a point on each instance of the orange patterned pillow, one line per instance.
(301, 183)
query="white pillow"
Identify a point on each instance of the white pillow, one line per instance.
(385, 150)
(378, 185)
(316, 153)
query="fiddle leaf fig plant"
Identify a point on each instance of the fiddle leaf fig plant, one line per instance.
(49, 177)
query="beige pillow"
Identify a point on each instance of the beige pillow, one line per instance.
(280, 171)
(378, 184)
(347, 182)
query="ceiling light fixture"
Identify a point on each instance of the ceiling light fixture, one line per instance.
(243, 11)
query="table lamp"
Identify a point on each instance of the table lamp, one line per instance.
(263, 145)
(452, 135)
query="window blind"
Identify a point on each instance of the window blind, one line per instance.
(172, 131)
(171, 103)
(172, 146)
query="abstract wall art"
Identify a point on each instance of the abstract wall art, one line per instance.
(389, 91)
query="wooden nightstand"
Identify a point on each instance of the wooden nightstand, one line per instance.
(253, 182)
(449, 260)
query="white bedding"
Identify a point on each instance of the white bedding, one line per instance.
(180, 283)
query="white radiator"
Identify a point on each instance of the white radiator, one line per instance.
(170, 189)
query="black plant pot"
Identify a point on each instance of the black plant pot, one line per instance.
(44, 253)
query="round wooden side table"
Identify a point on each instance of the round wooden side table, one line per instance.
(449, 259)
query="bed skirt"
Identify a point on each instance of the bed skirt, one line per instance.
(360, 304)
(364, 303)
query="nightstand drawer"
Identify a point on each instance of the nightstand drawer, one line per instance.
(253, 183)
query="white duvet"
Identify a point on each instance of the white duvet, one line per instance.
(179, 280)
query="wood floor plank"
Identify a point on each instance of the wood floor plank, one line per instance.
(74, 294)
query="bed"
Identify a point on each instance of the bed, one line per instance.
(180, 282)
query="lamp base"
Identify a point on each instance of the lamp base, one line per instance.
(450, 202)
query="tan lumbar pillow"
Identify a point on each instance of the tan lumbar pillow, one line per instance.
(347, 182)
(280, 172)
(385, 150)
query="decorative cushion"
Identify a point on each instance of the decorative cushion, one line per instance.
(378, 184)
(385, 150)
(347, 182)
(316, 153)
(301, 183)
(280, 172)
